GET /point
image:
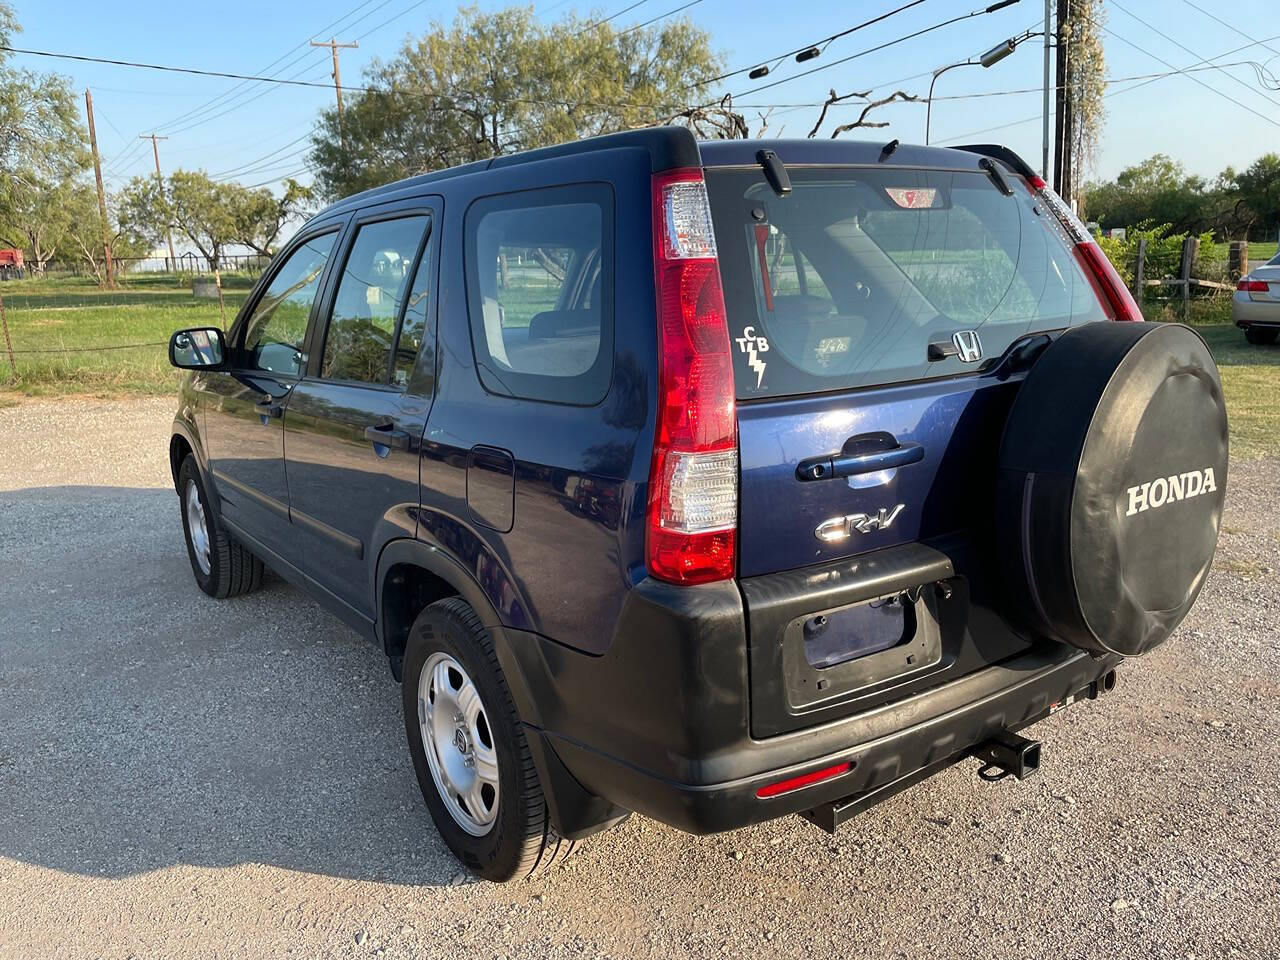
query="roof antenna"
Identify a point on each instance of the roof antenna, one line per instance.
(887, 150)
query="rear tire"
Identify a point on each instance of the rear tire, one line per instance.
(450, 661)
(222, 567)
(1261, 336)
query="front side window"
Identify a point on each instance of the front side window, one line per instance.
(277, 328)
(539, 292)
(366, 307)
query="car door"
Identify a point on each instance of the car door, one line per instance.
(353, 425)
(243, 409)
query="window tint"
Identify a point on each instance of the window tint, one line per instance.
(849, 279)
(372, 287)
(276, 329)
(539, 290)
(414, 336)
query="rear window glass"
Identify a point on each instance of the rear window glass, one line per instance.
(539, 281)
(847, 281)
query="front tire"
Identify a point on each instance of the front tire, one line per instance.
(469, 749)
(1261, 336)
(222, 567)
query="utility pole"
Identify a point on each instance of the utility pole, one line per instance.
(1064, 141)
(155, 150)
(334, 46)
(102, 196)
(1044, 132)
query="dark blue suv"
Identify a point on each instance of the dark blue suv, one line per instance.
(712, 481)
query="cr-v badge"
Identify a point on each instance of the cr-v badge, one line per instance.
(841, 528)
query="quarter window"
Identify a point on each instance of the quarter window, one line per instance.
(539, 291)
(366, 306)
(276, 329)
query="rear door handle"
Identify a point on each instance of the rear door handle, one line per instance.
(388, 436)
(868, 453)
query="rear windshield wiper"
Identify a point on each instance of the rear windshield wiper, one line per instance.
(775, 171)
(997, 176)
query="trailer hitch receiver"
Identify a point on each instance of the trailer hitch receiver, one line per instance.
(1008, 754)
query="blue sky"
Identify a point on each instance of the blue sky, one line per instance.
(258, 135)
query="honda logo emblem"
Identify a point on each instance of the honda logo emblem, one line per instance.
(968, 346)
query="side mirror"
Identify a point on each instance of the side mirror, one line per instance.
(199, 349)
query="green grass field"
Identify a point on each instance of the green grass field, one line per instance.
(72, 338)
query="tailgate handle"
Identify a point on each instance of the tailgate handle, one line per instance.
(866, 453)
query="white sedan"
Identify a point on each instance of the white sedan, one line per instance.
(1255, 308)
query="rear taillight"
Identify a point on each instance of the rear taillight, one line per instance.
(1253, 286)
(693, 480)
(1107, 283)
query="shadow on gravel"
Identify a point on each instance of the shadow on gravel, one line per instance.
(144, 725)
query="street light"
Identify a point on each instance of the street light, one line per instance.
(988, 59)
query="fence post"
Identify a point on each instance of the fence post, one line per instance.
(4, 322)
(1190, 247)
(1140, 271)
(1237, 259)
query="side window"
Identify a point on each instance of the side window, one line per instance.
(371, 290)
(276, 329)
(540, 292)
(414, 336)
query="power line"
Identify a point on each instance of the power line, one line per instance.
(1230, 26)
(661, 16)
(820, 43)
(862, 53)
(1197, 80)
(1114, 93)
(1182, 46)
(228, 95)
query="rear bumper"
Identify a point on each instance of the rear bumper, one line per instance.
(660, 724)
(1254, 313)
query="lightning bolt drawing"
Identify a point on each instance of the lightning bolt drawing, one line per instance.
(755, 363)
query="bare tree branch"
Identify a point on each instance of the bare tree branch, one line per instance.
(898, 96)
(718, 122)
(833, 98)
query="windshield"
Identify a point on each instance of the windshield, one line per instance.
(860, 275)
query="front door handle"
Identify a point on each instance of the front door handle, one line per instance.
(867, 453)
(267, 407)
(387, 435)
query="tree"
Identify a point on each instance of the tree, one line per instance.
(258, 216)
(84, 231)
(200, 207)
(499, 82)
(1157, 190)
(42, 145)
(1257, 193)
(36, 220)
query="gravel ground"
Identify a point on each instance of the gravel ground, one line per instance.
(183, 777)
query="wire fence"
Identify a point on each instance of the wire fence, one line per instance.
(130, 268)
(65, 330)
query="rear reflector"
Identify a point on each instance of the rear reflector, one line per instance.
(692, 509)
(1107, 283)
(1253, 286)
(804, 780)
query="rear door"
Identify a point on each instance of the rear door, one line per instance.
(868, 312)
(353, 426)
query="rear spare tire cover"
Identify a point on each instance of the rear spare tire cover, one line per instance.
(1113, 468)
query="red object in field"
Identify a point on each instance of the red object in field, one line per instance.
(10, 257)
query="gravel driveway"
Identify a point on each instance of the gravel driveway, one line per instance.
(186, 777)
